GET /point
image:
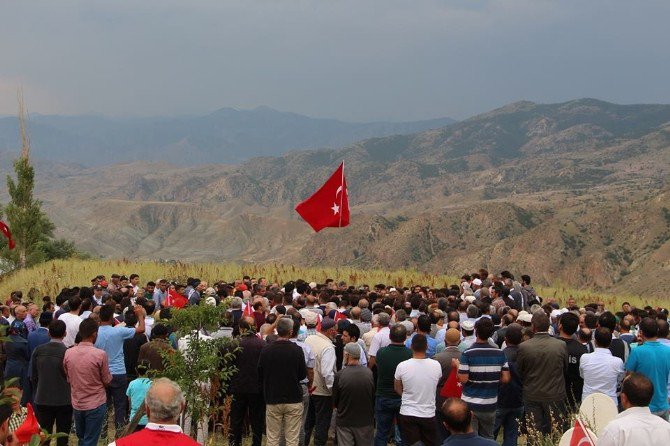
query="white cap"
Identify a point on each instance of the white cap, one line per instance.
(477, 282)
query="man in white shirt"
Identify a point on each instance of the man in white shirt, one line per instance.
(416, 380)
(381, 339)
(72, 321)
(320, 409)
(636, 425)
(602, 371)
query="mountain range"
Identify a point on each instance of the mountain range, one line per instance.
(575, 193)
(224, 136)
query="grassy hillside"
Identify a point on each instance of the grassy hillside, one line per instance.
(50, 277)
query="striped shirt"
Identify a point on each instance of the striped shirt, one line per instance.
(483, 364)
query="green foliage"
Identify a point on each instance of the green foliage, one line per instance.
(31, 228)
(205, 366)
(61, 249)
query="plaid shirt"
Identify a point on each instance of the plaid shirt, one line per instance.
(17, 419)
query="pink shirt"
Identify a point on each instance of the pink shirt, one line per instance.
(87, 371)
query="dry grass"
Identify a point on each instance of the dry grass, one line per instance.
(49, 278)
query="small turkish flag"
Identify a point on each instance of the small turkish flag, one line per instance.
(5, 230)
(580, 436)
(452, 388)
(174, 299)
(329, 206)
(248, 310)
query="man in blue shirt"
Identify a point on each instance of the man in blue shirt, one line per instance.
(110, 339)
(160, 293)
(458, 421)
(652, 359)
(423, 327)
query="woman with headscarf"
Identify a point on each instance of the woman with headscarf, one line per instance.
(16, 349)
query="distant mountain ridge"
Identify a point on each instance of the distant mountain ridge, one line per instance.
(224, 136)
(575, 193)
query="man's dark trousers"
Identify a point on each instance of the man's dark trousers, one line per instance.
(545, 414)
(386, 410)
(61, 415)
(116, 396)
(254, 405)
(318, 419)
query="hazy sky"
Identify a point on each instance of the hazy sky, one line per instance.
(348, 59)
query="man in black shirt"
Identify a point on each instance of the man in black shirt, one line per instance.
(131, 346)
(244, 386)
(52, 391)
(618, 347)
(510, 401)
(574, 383)
(281, 367)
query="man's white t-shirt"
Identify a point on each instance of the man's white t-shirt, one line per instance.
(72, 322)
(419, 382)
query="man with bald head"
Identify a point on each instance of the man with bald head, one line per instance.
(20, 313)
(458, 421)
(164, 403)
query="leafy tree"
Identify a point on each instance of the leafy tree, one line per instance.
(204, 367)
(31, 228)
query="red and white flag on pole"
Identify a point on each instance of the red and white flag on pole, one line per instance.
(329, 206)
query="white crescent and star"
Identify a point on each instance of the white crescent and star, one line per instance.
(336, 208)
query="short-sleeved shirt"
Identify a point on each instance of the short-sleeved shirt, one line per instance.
(310, 359)
(483, 364)
(388, 359)
(72, 322)
(380, 340)
(110, 339)
(652, 359)
(137, 391)
(419, 380)
(432, 345)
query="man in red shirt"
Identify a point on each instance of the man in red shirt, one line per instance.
(87, 371)
(164, 403)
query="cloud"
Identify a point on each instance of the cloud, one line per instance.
(356, 60)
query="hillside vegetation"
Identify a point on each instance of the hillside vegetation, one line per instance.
(574, 193)
(50, 277)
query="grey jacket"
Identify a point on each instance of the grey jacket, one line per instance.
(542, 362)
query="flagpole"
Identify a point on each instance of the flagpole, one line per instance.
(342, 194)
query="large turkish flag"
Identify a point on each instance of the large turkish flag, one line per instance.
(329, 206)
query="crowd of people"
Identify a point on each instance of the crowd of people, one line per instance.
(484, 360)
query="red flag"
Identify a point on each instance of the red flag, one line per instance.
(5, 230)
(329, 206)
(580, 436)
(339, 316)
(452, 388)
(248, 310)
(174, 299)
(28, 428)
